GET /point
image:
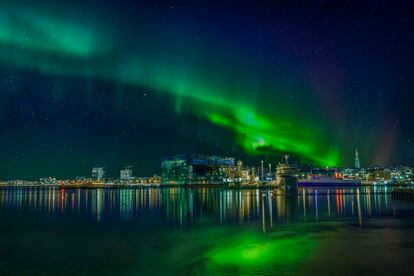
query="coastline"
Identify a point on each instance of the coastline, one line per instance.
(191, 186)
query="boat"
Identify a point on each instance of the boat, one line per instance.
(328, 181)
(286, 176)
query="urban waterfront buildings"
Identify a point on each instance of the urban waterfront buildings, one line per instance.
(98, 173)
(218, 170)
(126, 173)
(197, 168)
(48, 181)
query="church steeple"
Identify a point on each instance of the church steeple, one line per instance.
(357, 164)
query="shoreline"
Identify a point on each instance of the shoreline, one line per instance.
(193, 186)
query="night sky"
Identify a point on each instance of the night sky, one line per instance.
(88, 83)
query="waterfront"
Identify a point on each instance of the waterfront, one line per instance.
(177, 231)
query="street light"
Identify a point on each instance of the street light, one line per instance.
(262, 171)
(270, 171)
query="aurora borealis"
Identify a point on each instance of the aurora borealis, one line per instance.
(98, 83)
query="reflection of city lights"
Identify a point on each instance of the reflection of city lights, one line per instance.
(182, 206)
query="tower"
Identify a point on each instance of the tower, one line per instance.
(239, 166)
(357, 162)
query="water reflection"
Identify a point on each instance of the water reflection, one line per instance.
(182, 206)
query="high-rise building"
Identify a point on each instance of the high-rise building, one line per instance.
(98, 173)
(126, 173)
(357, 162)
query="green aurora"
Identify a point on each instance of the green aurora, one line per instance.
(248, 251)
(42, 42)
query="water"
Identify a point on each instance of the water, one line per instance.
(202, 231)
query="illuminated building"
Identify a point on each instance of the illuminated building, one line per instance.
(48, 181)
(197, 169)
(98, 173)
(126, 173)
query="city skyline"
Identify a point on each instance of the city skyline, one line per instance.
(101, 172)
(127, 174)
(81, 87)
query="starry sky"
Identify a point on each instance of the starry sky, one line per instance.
(99, 83)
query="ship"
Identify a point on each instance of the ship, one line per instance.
(328, 181)
(286, 176)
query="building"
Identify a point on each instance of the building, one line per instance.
(48, 181)
(357, 162)
(126, 173)
(378, 174)
(198, 169)
(98, 173)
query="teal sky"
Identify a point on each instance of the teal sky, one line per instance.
(253, 81)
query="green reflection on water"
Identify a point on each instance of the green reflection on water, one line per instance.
(253, 252)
